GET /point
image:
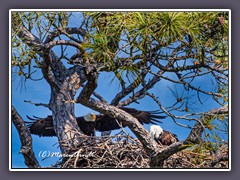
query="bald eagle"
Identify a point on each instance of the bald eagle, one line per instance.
(162, 136)
(91, 122)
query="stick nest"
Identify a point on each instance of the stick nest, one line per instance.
(124, 151)
(119, 151)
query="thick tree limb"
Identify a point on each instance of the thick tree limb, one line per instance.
(91, 85)
(48, 56)
(137, 128)
(26, 140)
(99, 97)
(114, 112)
(220, 110)
(193, 138)
(157, 154)
(220, 155)
(158, 159)
(61, 42)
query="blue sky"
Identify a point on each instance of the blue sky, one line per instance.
(39, 92)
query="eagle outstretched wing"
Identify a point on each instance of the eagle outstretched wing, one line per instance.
(41, 126)
(44, 126)
(106, 123)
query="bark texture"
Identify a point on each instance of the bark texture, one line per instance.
(26, 140)
(64, 82)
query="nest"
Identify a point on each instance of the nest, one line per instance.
(191, 160)
(124, 151)
(119, 151)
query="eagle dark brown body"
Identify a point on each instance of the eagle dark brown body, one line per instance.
(161, 136)
(167, 138)
(44, 126)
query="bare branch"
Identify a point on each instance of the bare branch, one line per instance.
(26, 140)
(61, 42)
(57, 32)
(127, 91)
(167, 112)
(158, 159)
(142, 92)
(197, 130)
(38, 104)
(220, 155)
(99, 97)
(91, 85)
(114, 112)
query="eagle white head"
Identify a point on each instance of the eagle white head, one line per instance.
(155, 131)
(90, 117)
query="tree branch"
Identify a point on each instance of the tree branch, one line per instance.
(158, 159)
(220, 155)
(61, 42)
(142, 92)
(38, 104)
(48, 56)
(26, 140)
(99, 97)
(127, 91)
(193, 138)
(114, 112)
(149, 145)
(91, 85)
(167, 112)
(57, 32)
(197, 130)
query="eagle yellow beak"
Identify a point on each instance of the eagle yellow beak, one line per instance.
(93, 116)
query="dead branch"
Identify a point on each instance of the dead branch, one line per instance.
(197, 130)
(220, 155)
(57, 32)
(37, 104)
(26, 140)
(141, 93)
(112, 111)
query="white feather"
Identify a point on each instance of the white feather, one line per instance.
(88, 118)
(155, 131)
